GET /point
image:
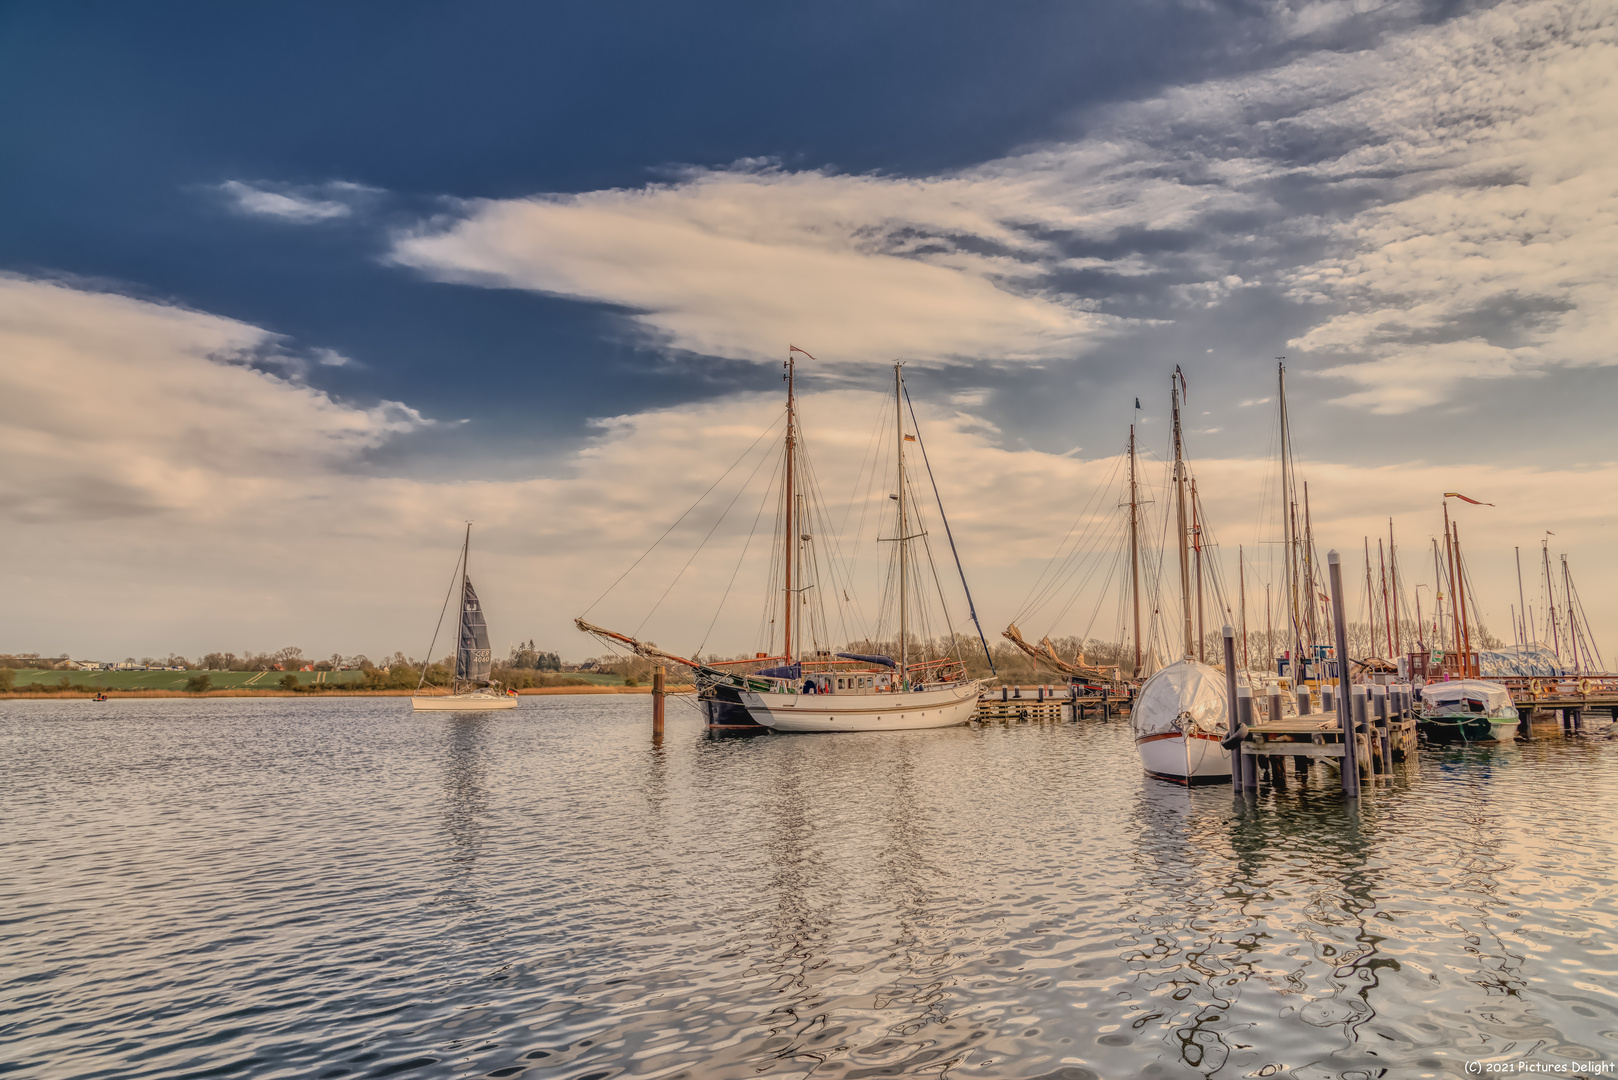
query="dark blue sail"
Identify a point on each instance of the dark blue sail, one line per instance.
(472, 657)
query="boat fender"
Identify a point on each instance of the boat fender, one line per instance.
(1234, 739)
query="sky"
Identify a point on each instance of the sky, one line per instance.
(290, 292)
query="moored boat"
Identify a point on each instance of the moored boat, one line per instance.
(1467, 711)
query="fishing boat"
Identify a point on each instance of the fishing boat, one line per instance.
(1467, 711)
(471, 688)
(815, 689)
(1181, 712)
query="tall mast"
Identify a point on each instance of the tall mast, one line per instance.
(1387, 623)
(1179, 508)
(1421, 630)
(1289, 509)
(1521, 603)
(1241, 572)
(1454, 598)
(1572, 630)
(904, 531)
(1370, 600)
(791, 547)
(460, 622)
(1550, 595)
(1196, 542)
(1134, 547)
(1393, 575)
(1438, 576)
(1309, 565)
(1460, 598)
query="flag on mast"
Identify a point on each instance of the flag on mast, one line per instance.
(1463, 498)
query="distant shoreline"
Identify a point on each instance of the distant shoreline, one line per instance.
(38, 695)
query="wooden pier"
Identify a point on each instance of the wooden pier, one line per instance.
(1383, 719)
(1046, 704)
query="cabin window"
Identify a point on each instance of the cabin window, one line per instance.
(840, 685)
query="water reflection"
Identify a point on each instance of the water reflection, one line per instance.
(466, 803)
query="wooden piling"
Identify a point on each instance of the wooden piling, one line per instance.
(1233, 722)
(1339, 610)
(658, 697)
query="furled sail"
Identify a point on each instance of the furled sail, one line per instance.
(473, 659)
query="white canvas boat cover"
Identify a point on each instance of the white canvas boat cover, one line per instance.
(1180, 696)
(1446, 696)
(1521, 662)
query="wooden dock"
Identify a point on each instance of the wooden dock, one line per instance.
(1383, 719)
(1046, 704)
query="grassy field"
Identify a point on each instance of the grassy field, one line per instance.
(223, 680)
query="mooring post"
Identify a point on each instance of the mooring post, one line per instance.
(1359, 709)
(657, 702)
(1232, 711)
(1351, 772)
(1244, 767)
(1304, 703)
(1328, 700)
(1041, 694)
(1383, 698)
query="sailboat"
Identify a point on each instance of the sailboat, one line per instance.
(471, 688)
(1181, 712)
(816, 690)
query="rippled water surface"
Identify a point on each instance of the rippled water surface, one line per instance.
(334, 888)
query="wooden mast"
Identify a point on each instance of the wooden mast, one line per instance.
(904, 531)
(1550, 595)
(1454, 599)
(1134, 548)
(1460, 595)
(1393, 575)
(1309, 567)
(1196, 543)
(1567, 606)
(1387, 623)
(1241, 573)
(1438, 600)
(786, 647)
(1175, 381)
(1289, 508)
(1370, 598)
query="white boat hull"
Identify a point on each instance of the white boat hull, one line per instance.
(948, 706)
(463, 702)
(1168, 757)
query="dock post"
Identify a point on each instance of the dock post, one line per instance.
(1305, 704)
(658, 695)
(1244, 769)
(1360, 711)
(1351, 772)
(1041, 695)
(1232, 711)
(1328, 701)
(1275, 766)
(1018, 692)
(1384, 703)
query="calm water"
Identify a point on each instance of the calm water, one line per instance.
(343, 888)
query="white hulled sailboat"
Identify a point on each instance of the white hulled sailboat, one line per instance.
(816, 690)
(1181, 713)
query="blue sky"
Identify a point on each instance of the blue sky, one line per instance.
(392, 266)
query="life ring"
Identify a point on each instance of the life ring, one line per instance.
(1584, 686)
(1534, 687)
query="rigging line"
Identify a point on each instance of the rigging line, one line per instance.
(698, 550)
(1037, 596)
(970, 607)
(688, 510)
(820, 514)
(441, 613)
(736, 570)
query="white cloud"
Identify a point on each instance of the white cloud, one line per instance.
(290, 203)
(1462, 180)
(191, 502)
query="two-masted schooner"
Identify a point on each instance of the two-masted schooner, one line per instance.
(814, 690)
(471, 688)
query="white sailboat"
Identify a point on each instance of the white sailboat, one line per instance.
(1181, 712)
(818, 691)
(471, 689)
